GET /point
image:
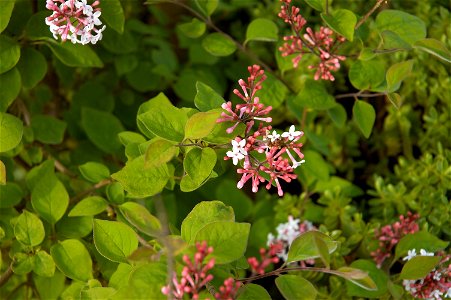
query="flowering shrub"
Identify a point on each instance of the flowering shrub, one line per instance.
(156, 150)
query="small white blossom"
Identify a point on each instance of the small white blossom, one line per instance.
(273, 137)
(235, 156)
(410, 254)
(435, 294)
(448, 293)
(291, 134)
(239, 146)
(425, 253)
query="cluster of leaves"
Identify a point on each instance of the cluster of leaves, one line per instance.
(102, 191)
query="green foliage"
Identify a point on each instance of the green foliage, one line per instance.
(112, 160)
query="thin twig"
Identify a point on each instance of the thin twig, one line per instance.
(368, 14)
(359, 94)
(6, 275)
(90, 190)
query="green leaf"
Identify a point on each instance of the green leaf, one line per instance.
(23, 263)
(392, 41)
(316, 165)
(319, 5)
(12, 80)
(140, 218)
(207, 7)
(114, 240)
(357, 277)
(98, 293)
(75, 55)
(294, 287)
(72, 259)
(228, 239)
(199, 163)
(338, 115)
(113, 14)
(366, 75)
(201, 124)
(11, 130)
(193, 29)
(164, 119)
(6, 8)
(304, 246)
(36, 29)
(50, 287)
(419, 240)
(274, 92)
(50, 198)
(102, 129)
(11, 194)
(262, 29)
(44, 264)
(48, 129)
(89, 206)
(314, 95)
(379, 277)
(419, 267)
(435, 48)
(322, 250)
(115, 193)
(29, 229)
(73, 227)
(9, 53)
(364, 115)
(207, 98)
(397, 73)
(218, 45)
(408, 27)
(342, 21)
(32, 66)
(94, 171)
(202, 214)
(253, 291)
(395, 99)
(141, 182)
(128, 137)
(159, 152)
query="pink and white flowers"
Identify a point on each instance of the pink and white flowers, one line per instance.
(436, 285)
(75, 20)
(266, 156)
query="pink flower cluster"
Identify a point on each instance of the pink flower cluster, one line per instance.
(322, 43)
(262, 151)
(194, 274)
(436, 285)
(195, 277)
(75, 20)
(267, 257)
(390, 235)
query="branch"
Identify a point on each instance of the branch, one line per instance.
(359, 94)
(90, 190)
(6, 275)
(368, 14)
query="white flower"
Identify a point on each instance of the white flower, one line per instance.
(425, 253)
(437, 275)
(435, 294)
(448, 293)
(291, 134)
(273, 137)
(410, 254)
(239, 146)
(408, 286)
(235, 156)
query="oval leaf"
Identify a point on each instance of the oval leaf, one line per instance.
(342, 21)
(29, 229)
(218, 45)
(11, 130)
(364, 115)
(262, 29)
(140, 217)
(419, 266)
(89, 207)
(114, 240)
(72, 258)
(304, 246)
(294, 287)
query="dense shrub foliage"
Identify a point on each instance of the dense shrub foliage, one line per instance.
(225, 149)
